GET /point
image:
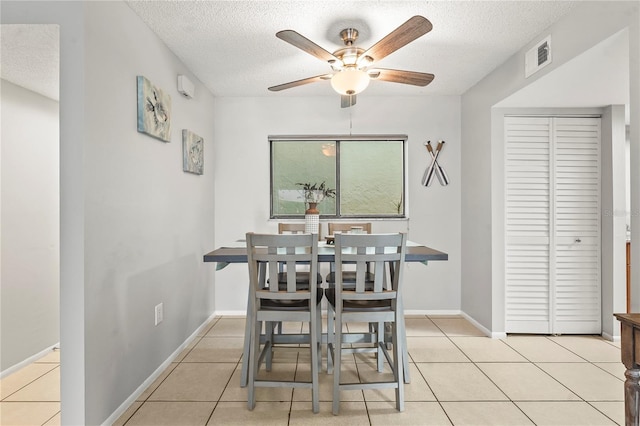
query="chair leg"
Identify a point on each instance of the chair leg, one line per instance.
(330, 337)
(253, 363)
(380, 338)
(402, 331)
(313, 347)
(269, 331)
(246, 352)
(398, 367)
(319, 336)
(337, 361)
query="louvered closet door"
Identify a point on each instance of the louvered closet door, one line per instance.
(577, 225)
(528, 224)
(552, 225)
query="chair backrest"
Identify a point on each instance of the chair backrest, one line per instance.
(266, 251)
(384, 252)
(290, 228)
(347, 227)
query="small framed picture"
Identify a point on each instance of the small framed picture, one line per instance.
(154, 110)
(192, 152)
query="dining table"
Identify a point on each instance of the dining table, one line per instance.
(236, 252)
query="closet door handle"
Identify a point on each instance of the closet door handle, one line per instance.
(578, 240)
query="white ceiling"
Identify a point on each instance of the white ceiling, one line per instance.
(595, 78)
(232, 48)
(30, 57)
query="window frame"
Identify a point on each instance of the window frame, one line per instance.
(337, 139)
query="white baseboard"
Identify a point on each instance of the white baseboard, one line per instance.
(132, 398)
(486, 331)
(610, 338)
(431, 312)
(28, 361)
(242, 313)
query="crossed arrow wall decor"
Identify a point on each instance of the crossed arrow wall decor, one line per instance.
(434, 167)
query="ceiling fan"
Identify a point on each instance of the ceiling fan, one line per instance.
(351, 65)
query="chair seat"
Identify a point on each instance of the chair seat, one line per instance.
(288, 305)
(357, 305)
(350, 277)
(302, 278)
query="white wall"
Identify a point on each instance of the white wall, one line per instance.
(613, 218)
(634, 153)
(134, 227)
(584, 27)
(241, 167)
(628, 181)
(30, 249)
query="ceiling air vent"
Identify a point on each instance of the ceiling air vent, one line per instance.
(537, 57)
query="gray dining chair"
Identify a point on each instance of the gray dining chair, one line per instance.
(344, 227)
(302, 276)
(272, 304)
(348, 274)
(361, 303)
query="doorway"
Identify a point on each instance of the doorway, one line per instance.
(30, 201)
(552, 226)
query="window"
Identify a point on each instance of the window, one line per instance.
(367, 173)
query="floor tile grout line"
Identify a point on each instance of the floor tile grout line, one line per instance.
(566, 348)
(585, 361)
(607, 371)
(238, 363)
(475, 364)
(366, 402)
(533, 363)
(50, 418)
(601, 412)
(133, 414)
(196, 340)
(29, 384)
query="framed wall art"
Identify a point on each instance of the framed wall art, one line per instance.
(154, 110)
(192, 152)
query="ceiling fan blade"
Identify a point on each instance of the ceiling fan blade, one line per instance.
(347, 101)
(415, 27)
(296, 83)
(301, 42)
(400, 76)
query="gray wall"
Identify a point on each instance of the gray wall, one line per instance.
(134, 226)
(584, 27)
(30, 281)
(147, 223)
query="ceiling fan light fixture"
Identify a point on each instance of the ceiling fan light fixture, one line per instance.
(364, 61)
(336, 65)
(350, 81)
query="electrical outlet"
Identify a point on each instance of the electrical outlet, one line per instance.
(159, 313)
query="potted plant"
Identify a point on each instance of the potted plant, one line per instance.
(314, 193)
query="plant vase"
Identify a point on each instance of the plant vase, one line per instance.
(312, 219)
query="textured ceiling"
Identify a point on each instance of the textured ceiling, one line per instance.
(232, 48)
(30, 57)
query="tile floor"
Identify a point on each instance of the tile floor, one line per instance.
(458, 377)
(31, 396)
